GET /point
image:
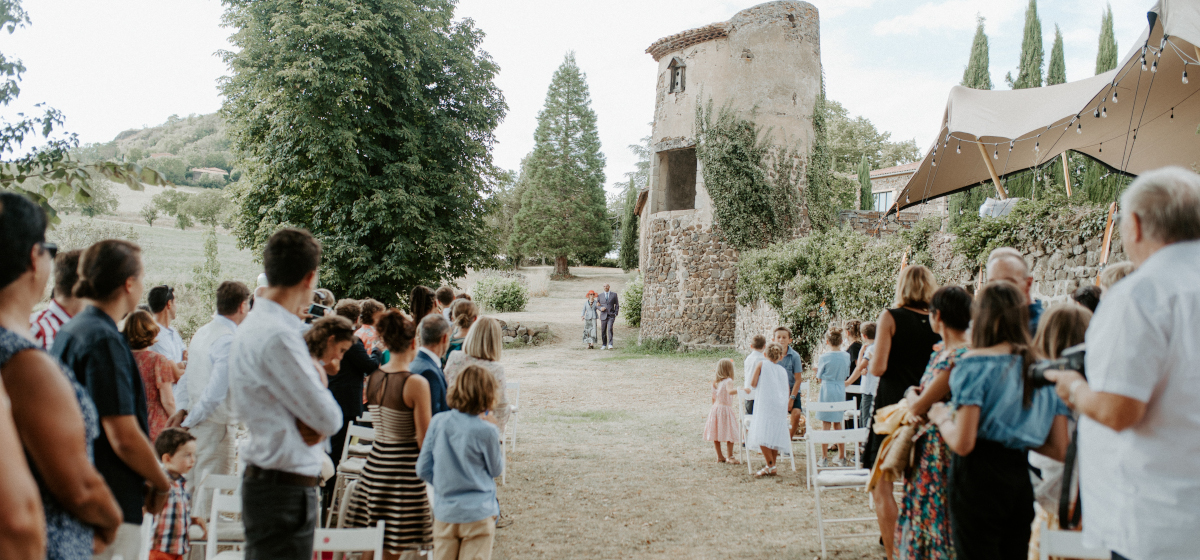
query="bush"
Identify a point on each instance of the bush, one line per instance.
(502, 294)
(608, 262)
(82, 234)
(632, 298)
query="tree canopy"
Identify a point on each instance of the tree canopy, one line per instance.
(851, 138)
(370, 124)
(1106, 55)
(978, 74)
(1033, 56)
(1056, 73)
(563, 211)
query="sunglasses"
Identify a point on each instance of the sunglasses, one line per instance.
(51, 247)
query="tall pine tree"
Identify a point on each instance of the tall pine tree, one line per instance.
(978, 74)
(1106, 56)
(1056, 73)
(639, 177)
(1029, 74)
(865, 200)
(563, 211)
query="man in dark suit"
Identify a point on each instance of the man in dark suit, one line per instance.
(434, 332)
(609, 305)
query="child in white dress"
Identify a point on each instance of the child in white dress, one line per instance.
(769, 425)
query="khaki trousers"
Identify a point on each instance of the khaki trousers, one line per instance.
(464, 541)
(126, 546)
(215, 453)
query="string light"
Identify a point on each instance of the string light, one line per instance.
(1104, 112)
(1172, 112)
(1143, 63)
(1154, 67)
(1079, 129)
(1102, 147)
(958, 149)
(996, 154)
(1010, 144)
(1096, 113)
(1185, 72)
(1114, 98)
(933, 163)
(1037, 146)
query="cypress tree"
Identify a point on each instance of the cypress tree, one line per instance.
(866, 200)
(629, 229)
(1106, 56)
(978, 75)
(563, 209)
(819, 188)
(1029, 74)
(1056, 73)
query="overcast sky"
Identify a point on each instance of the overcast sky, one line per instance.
(119, 64)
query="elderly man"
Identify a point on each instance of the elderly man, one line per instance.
(609, 306)
(1139, 429)
(1007, 263)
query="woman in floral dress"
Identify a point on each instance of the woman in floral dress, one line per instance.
(923, 527)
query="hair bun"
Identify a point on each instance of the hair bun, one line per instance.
(83, 289)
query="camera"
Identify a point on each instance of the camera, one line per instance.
(316, 311)
(1069, 359)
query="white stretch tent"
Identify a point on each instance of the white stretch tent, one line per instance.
(1131, 119)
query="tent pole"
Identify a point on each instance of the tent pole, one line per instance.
(992, 169)
(1066, 174)
(1108, 231)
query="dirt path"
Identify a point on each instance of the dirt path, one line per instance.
(611, 463)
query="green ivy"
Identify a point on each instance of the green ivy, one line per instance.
(1049, 220)
(632, 296)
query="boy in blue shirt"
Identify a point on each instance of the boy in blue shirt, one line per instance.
(464, 449)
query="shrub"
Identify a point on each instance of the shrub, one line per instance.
(539, 283)
(82, 234)
(502, 294)
(632, 298)
(608, 262)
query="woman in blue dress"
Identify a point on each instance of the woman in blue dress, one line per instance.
(995, 417)
(51, 410)
(833, 368)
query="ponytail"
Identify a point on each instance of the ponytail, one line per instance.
(105, 266)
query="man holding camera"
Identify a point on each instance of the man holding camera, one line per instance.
(1139, 427)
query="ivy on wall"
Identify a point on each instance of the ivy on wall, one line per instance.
(1050, 220)
(754, 185)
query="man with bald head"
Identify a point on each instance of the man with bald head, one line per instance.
(1007, 263)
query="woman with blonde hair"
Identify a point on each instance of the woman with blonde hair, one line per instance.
(157, 371)
(482, 348)
(904, 341)
(463, 314)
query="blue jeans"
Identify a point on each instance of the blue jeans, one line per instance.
(280, 520)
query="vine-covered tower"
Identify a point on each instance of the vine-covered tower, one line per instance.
(765, 64)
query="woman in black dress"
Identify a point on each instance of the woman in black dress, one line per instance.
(903, 346)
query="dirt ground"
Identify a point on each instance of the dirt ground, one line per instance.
(611, 462)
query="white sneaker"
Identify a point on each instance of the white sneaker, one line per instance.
(610, 347)
(823, 463)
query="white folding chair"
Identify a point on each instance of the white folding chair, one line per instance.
(219, 484)
(512, 390)
(1067, 544)
(364, 418)
(811, 449)
(744, 425)
(350, 540)
(829, 480)
(350, 467)
(223, 504)
(147, 536)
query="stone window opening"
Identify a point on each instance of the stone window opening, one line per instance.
(678, 174)
(676, 70)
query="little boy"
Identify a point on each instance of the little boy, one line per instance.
(176, 449)
(464, 450)
(870, 383)
(756, 355)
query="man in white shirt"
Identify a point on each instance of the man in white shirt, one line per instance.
(281, 397)
(756, 355)
(209, 418)
(1139, 426)
(161, 300)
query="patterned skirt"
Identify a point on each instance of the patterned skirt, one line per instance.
(390, 491)
(923, 526)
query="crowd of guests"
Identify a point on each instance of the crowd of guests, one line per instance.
(118, 417)
(989, 437)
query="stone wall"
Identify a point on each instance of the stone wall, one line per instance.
(757, 318)
(866, 222)
(690, 277)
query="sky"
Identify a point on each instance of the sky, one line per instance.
(120, 64)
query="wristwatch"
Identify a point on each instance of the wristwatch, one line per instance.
(1074, 390)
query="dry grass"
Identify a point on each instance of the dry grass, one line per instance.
(539, 282)
(611, 462)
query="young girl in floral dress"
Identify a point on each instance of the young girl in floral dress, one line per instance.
(722, 424)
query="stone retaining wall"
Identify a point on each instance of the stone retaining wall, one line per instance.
(866, 222)
(690, 277)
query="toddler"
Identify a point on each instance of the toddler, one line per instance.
(870, 383)
(722, 424)
(460, 460)
(176, 449)
(833, 368)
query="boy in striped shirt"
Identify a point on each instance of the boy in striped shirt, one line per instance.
(176, 449)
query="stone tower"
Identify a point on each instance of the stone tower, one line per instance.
(765, 63)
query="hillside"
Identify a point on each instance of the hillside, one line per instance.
(174, 148)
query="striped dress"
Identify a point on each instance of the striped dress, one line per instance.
(389, 489)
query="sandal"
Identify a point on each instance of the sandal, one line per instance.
(733, 461)
(765, 471)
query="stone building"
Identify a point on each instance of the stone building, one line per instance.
(887, 183)
(765, 64)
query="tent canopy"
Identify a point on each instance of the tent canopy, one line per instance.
(1130, 119)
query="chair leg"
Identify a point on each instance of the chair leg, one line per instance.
(820, 520)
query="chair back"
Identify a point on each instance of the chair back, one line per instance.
(219, 482)
(222, 503)
(818, 437)
(831, 406)
(512, 391)
(350, 540)
(1067, 544)
(355, 431)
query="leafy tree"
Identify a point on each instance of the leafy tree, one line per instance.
(174, 168)
(50, 171)
(978, 74)
(149, 212)
(183, 220)
(1029, 74)
(1056, 73)
(207, 275)
(851, 138)
(207, 207)
(628, 257)
(1106, 55)
(370, 124)
(820, 188)
(866, 199)
(170, 201)
(563, 210)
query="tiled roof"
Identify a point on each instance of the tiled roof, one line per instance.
(896, 170)
(662, 47)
